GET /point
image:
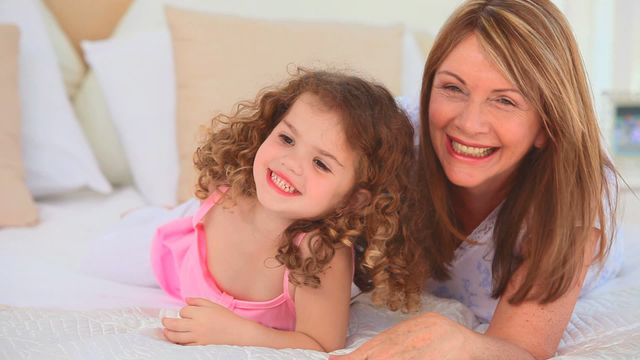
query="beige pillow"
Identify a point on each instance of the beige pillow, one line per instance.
(16, 207)
(88, 20)
(221, 60)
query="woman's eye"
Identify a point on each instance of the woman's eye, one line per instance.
(505, 101)
(452, 88)
(286, 139)
(321, 165)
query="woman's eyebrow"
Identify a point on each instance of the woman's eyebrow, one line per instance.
(509, 90)
(447, 72)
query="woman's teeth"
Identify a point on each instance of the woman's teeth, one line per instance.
(283, 185)
(477, 152)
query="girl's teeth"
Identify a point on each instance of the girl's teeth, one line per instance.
(471, 151)
(281, 183)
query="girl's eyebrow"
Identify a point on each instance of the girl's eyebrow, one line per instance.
(291, 127)
(321, 151)
(329, 155)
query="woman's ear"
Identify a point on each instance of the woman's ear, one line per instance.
(541, 139)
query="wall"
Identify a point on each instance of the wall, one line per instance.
(608, 32)
(417, 14)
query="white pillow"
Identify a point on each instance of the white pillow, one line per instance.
(57, 156)
(413, 59)
(136, 75)
(411, 106)
(90, 103)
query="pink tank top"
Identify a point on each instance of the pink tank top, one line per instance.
(179, 261)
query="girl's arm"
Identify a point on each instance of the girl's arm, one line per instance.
(322, 317)
(524, 331)
(323, 313)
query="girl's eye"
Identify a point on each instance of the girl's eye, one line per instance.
(286, 139)
(318, 163)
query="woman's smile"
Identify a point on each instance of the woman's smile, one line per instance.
(466, 151)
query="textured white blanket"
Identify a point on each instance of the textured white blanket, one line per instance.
(597, 331)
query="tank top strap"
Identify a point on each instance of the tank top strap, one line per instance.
(208, 203)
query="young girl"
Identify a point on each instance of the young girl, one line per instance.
(291, 184)
(518, 205)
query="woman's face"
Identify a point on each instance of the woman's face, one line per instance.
(481, 125)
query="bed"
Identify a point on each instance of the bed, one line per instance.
(51, 307)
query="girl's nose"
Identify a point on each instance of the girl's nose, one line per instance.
(292, 163)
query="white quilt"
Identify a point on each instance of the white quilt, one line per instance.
(51, 310)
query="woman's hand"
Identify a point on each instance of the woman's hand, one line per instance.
(203, 322)
(433, 336)
(428, 336)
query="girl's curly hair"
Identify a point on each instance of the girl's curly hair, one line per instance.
(387, 257)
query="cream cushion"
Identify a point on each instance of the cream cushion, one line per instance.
(17, 207)
(90, 108)
(95, 118)
(71, 64)
(93, 115)
(221, 60)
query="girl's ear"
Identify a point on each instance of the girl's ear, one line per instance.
(360, 199)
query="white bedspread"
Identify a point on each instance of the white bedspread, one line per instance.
(53, 311)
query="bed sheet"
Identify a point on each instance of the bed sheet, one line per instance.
(52, 310)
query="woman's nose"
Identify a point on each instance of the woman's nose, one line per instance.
(473, 119)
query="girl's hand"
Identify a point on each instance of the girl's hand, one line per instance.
(203, 322)
(428, 336)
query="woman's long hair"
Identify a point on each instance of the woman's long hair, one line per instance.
(559, 192)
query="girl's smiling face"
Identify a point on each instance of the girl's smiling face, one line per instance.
(305, 167)
(480, 124)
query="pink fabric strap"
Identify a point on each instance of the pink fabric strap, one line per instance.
(208, 204)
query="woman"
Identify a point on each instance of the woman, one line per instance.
(518, 200)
